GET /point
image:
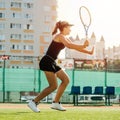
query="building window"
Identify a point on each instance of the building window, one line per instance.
(2, 4)
(28, 16)
(2, 37)
(2, 26)
(16, 15)
(28, 58)
(15, 47)
(15, 5)
(28, 26)
(2, 15)
(28, 47)
(1, 47)
(15, 25)
(28, 5)
(16, 36)
(16, 58)
(28, 37)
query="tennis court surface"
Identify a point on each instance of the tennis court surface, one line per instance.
(22, 112)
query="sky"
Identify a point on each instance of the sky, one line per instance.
(105, 19)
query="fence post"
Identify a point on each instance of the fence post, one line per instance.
(73, 76)
(4, 58)
(105, 71)
(4, 81)
(39, 80)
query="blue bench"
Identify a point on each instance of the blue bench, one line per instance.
(98, 93)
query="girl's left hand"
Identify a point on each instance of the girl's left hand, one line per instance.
(86, 43)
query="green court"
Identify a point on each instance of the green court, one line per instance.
(22, 112)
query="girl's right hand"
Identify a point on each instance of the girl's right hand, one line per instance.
(92, 51)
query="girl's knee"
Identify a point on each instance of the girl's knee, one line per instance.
(66, 81)
(54, 87)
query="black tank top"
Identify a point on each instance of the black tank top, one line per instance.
(54, 49)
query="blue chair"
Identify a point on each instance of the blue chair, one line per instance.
(87, 90)
(98, 90)
(75, 91)
(109, 91)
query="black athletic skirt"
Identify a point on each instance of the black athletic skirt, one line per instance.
(47, 63)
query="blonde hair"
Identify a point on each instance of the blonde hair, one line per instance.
(60, 26)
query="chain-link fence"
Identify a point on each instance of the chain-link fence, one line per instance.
(20, 84)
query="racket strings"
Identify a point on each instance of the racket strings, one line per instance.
(85, 18)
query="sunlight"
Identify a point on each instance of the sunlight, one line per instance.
(105, 21)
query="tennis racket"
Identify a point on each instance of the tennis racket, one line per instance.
(85, 18)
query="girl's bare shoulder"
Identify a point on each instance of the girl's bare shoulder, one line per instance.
(58, 37)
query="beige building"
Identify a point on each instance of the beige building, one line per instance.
(78, 55)
(100, 51)
(25, 33)
(25, 30)
(113, 53)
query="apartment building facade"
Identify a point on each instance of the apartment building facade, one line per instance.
(25, 30)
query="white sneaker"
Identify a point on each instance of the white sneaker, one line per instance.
(33, 106)
(58, 106)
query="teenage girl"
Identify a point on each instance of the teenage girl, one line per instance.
(52, 70)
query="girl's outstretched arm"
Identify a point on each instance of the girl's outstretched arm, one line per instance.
(87, 52)
(71, 45)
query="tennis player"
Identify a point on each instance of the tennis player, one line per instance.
(52, 70)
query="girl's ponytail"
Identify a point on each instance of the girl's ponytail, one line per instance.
(57, 26)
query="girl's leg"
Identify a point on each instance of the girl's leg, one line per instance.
(65, 80)
(52, 80)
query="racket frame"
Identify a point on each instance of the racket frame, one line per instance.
(86, 27)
